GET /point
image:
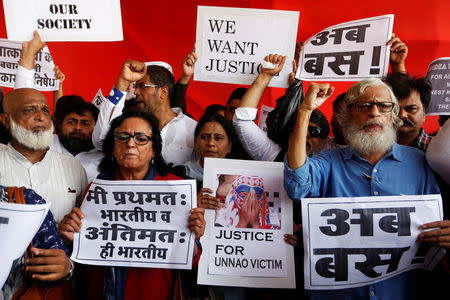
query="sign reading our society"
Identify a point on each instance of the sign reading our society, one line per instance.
(73, 20)
(232, 42)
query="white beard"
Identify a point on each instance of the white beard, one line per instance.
(40, 140)
(365, 143)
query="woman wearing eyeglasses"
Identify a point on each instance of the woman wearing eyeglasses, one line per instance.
(132, 150)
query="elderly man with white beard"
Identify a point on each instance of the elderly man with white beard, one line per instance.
(373, 165)
(27, 160)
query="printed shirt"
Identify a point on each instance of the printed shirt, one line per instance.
(47, 237)
(422, 141)
(340, 173)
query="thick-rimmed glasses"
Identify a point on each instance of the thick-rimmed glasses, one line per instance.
(383, 107)
(139, 138)
(316, 132)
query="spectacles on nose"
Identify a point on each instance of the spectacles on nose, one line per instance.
(315, 132)
(383, 107)
(143, 85)
(139, 138)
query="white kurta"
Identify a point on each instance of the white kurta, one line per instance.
(58, 178)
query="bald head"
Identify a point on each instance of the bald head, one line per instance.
(28, 108)
(18, 98)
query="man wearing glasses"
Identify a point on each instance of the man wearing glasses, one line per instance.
(154, 88)
(373, 165)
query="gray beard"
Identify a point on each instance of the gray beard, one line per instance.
(366, 143)
(33, 140)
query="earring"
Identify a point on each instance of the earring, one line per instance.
(152, 161)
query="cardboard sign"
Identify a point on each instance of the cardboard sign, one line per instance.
(232, 42)
(80, 20)
(350, 51)
(439, 76)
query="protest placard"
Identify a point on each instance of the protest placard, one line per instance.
(439, 76)
(350, 51)
(351, 242)
(18, 225)
(80, 20)
(137, 224)
(98, 99)
(44, 76)
(265, 110)
(242, 248)
(232, 42)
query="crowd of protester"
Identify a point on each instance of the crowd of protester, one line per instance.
(143, 131)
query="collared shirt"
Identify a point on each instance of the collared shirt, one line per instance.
(59, 179)
(178, 138)
(340, 173)
(253, 138)
(88, 159)
(177, 135)
(422, 141)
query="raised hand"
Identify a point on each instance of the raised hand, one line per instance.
(278, 62)
(316, 95)
(132, 70)
(399, 52)
(207, 201)
(188, 67)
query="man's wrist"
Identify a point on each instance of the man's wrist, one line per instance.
(71, 267)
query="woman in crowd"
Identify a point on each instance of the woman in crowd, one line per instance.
(132, 150)
(214, 136)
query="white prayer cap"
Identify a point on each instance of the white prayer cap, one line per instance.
(159, 63)
(130, 93)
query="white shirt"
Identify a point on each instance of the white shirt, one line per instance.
(252, 137)
(178, 138)
(58, 178)
(438, 152)
(88, 159)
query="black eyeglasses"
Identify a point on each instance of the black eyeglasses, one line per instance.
(315, 132)
(139, 138)
(383, 107)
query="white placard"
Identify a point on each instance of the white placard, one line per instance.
(72, 20)
(232, 42)
(352, 242)
(44, 76)
(247, 252)
(439, 76)
(139, 223)
(265, 110)
(350, 51)
(98, 99)
(18, 225)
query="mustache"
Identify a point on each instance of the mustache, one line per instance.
(373, 122)
(407, 123)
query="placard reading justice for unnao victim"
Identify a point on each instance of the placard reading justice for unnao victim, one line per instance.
(137, 224)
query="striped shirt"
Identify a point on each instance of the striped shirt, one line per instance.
(59, 179)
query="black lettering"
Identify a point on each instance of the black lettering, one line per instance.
(215, 25)
(230, 25)
(341, 216)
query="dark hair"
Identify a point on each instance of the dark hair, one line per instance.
(226, 125)
(337, 101)
(73, 104)
(318, 118)
(214, 109)
(238, 93)
(109, 164)
(403, 84)
(161, 76)
(443, 119)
